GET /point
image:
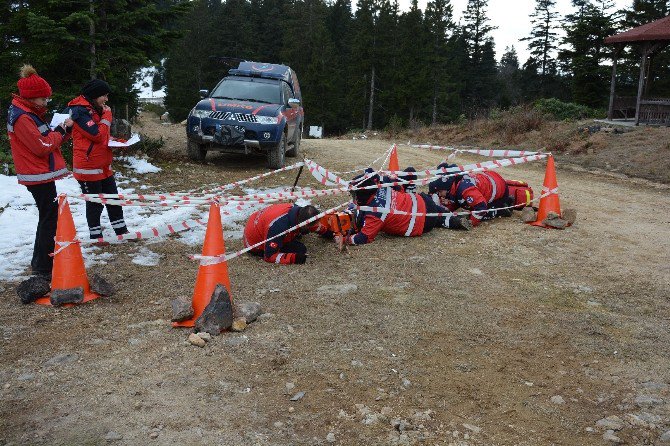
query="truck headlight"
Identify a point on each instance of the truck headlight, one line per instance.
(200, 113)
(266, 119)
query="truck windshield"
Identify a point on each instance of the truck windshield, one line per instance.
(248, 91)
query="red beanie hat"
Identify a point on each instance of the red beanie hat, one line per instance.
(31, 85)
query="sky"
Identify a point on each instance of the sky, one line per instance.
(512, 17)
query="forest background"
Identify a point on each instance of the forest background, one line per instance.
(369, 67)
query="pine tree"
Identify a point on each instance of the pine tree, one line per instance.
(509, 79)
(541, 41)
(439, 22)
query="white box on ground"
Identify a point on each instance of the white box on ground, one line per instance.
(315, 131)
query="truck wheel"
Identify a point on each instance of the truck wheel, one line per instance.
(196, 151)
(295, 150)
(276, 154)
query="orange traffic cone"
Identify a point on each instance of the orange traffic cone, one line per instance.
(68, 270)
(549, 203)
(393, 160)
(209, 275)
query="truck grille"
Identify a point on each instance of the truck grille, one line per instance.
(228, 116)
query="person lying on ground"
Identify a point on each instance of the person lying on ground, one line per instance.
(267, 223)
(481, 193)
(412, 223)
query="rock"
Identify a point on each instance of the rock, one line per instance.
(557, 399)
(298, 396)
(654, 386)
(370, 419)
(609, 436)
(67, 296)
(218, 314)
(62, 358)
(278, 424)
(250, 311)
(406, 383)
(528, 215)
(33, 288)
(204, 336)
(470, 427)
(570, 215)
(154, 434)
(113, 436)
(196, 340)
(554, 220)
(647, 401)
(610, 423)
(239, 324)
(330, 438)
(344, 288)
(665, 438)
(101, 286)
(26, 377)
(181, 309)
(289, 387)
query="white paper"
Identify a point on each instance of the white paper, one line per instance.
(133, 139)
(58, 119)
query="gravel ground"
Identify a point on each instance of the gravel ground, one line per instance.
(508, 334)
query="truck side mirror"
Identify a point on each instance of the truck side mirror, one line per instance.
(294, 103)
(203, 94)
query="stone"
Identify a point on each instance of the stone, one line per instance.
(250, 311)
(610, 423)
(557, 399)
(33, 288)
(62, 358)
(665, 438)
(113, 436)
(289, 387)
(647, 401)
(278, 424)
(330, 438)
(67, 296)
(218, 314)
(554, 220)
(470, 427)
(239, 324)
(344, 288)
(298, 396)
(609, 436)
(26, 377)
(101, 286)
(196, 340)
(528, 215)
(154, 434)
(204, 336)
(181, 309)
(570, 215)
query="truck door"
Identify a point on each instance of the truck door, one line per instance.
(290, 113)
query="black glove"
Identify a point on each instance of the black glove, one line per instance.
(60, 129)
(300, 258)
(460, 223)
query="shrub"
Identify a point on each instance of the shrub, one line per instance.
(150, 146)
(566, 110)
(154, 108)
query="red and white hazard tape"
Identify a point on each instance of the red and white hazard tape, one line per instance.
(159, 231)
(482, 152)
(257, 177)
(213, 260)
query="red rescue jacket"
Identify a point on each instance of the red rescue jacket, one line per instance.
(35, 147)
(475, 192)
(92, 157)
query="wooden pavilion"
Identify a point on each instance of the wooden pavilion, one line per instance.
(650, 38)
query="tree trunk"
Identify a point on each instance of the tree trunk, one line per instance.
(372, 99)
(91, 35)
(434, 117)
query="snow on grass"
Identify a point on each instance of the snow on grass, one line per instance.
(18, 222)
(139, 165)
(145, 257)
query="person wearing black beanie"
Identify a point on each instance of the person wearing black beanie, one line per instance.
(92, 156)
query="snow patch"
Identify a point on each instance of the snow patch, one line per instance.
(139, 165)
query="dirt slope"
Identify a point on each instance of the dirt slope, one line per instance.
(508, 334)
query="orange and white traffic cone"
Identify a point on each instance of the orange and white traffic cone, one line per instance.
(549, 201)
(393, 160)
(68, 269)
(209, 275)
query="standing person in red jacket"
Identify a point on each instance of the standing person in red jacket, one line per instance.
(92, 156)
(37, 159)
(268, 223)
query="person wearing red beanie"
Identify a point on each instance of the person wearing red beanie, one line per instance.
(92, 156)
(37, 159)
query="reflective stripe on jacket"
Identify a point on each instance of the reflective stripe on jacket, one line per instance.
(92, 157)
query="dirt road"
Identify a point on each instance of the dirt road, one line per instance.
(508, 334)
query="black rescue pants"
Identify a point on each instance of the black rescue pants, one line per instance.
(45, 199)
(94, 210)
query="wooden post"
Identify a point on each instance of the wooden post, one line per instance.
(610, 110)
(640, 86)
